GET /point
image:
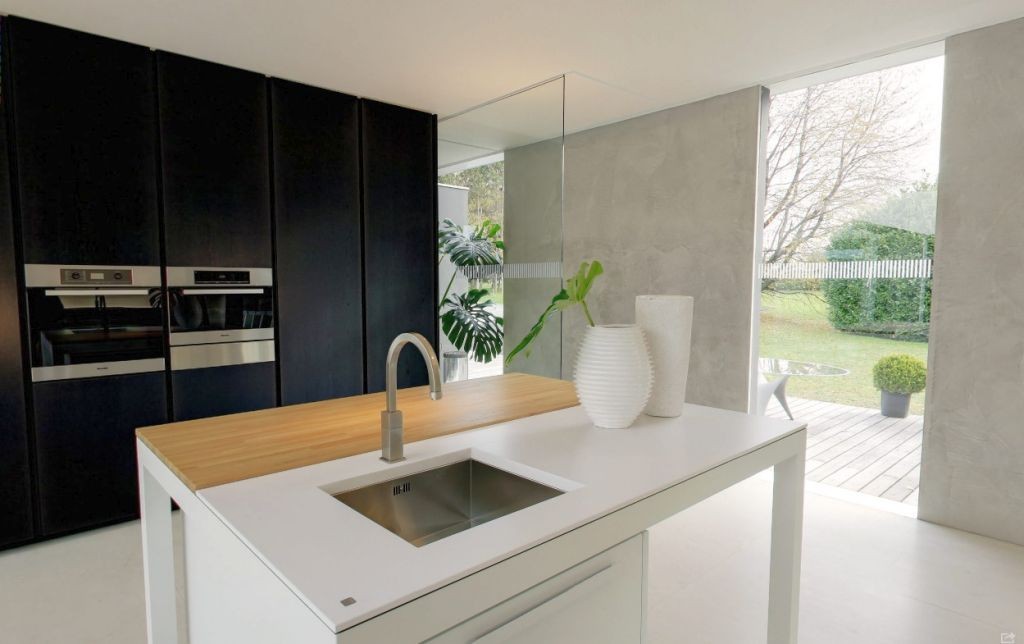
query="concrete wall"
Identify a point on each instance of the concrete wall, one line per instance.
(972, 472)
(667, 202)
(533, 234)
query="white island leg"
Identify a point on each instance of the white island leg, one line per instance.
(787, 537)
(158, 560)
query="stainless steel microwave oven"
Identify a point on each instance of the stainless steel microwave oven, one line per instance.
(90, 321)
(220, 316)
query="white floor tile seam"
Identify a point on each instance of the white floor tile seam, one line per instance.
(960, 614)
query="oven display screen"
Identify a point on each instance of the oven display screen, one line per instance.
(80, 328)
(192, 310)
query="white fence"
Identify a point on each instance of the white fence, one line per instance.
(888, 268)
(531, 270)
(891, 268)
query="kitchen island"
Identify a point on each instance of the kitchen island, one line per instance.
(276, 552)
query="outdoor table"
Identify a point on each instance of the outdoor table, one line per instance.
(784, 368)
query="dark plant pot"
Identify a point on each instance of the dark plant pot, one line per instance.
(895, 405)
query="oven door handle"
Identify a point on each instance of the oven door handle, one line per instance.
(68, 292)
(222, 291)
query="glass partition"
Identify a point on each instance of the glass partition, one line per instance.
(500, 218)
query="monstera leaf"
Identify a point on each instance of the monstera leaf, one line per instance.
(574, 294)
(470, 326)
(478, 246)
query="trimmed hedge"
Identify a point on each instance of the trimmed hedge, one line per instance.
(895, 307)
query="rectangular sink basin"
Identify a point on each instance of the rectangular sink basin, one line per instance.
(429, 506)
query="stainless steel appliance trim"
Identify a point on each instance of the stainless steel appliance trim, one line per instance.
(93, 292)
(97, 369)
(179, 276)
(186, 338)
(223, 291)
(201, 356)
(39, 275)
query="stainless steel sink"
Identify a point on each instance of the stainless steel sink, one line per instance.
(428, 506)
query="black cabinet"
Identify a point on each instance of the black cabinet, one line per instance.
(109, 141)
(216, 391)
(85, 444)
(15, 481)
(85, 131)
(318, 245)
(399, 235)
(215, 164)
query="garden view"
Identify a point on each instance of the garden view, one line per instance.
(849, 227)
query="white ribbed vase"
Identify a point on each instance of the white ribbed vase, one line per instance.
(613, 374)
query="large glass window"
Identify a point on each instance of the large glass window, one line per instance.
(849, 235)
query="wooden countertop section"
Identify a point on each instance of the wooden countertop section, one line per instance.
(225, 449)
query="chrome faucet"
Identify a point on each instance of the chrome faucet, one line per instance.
(391, 419)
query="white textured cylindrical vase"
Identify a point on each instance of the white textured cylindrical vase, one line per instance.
(666, 321)
(613, 374)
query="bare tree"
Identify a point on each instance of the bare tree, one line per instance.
(834, 149)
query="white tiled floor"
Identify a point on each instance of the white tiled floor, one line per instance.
(868, 577)
(82, 589)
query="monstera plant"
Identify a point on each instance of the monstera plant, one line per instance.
(574, 294)
(466, 318)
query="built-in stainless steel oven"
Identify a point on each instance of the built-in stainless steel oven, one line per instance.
(90, 321)
(220, 316)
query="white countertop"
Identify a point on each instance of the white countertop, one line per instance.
(325, 551)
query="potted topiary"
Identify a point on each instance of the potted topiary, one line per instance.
(898, 376)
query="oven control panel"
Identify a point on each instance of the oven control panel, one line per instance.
(221, 277)
(95, 276)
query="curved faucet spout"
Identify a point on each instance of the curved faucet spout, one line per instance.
(391, 426)
(433, 370)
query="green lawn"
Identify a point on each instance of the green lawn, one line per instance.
(498, 295)
(795, 326)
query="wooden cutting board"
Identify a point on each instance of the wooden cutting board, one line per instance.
(224, 449)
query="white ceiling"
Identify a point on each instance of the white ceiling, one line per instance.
(443, 56)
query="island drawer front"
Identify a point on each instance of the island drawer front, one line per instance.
(597, 600)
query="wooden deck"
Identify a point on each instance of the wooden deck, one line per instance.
(858, 449)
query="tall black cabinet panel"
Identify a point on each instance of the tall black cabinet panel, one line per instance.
(85, 131)
(85, 438)
(15, 481)
(319, 257)
(216, 168)
(399, 235)
(216, 391)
